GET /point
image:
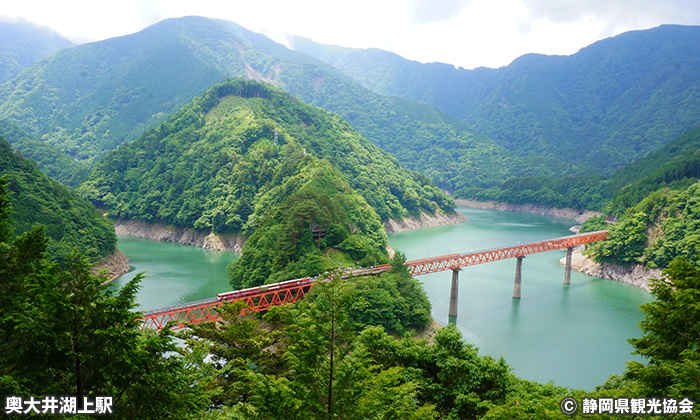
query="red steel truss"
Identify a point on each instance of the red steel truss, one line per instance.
(456, 261)
(261, 298)
(207, 310)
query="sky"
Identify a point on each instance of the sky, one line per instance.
(465, 33)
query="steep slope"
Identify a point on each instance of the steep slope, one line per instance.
(23, 44)
(70, 222)
(247, 158)
(674, 166)
(663, 226)
(89, 99)
(51, 160)
(608, 104)
(222, 158)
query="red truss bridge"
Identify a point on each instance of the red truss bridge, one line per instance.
(262, 297)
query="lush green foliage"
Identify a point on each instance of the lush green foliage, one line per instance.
(594, 224)
(661, 227)
(671, 336)
(64, 333)
(394, 301)
(626, 240)
(53, 162)
(215, 164)
(89, 99)
(583, 193)
(282, 247)
(607, 105)
(69, 221)
(675, 166)
(450, 374)
(306, 362)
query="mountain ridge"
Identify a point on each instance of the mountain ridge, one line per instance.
(91, 98)
(542, 104)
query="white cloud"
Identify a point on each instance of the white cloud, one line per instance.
(468, 33)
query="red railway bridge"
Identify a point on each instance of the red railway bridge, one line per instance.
(263, 297)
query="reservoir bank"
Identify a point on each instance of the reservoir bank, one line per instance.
(573, 335)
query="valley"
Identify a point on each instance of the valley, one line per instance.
(289, 160)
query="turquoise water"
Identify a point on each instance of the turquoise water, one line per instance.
(175, 273)
(574, 335)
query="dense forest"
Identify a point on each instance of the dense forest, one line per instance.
(218, 161)
(324, 357)
(247, 158)
(22, 44)
(605, 106)
(69, 221)
(150, 127)
(675, 166)
(89, 99)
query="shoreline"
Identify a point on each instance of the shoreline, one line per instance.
(115, 265)
(635, 275)
(564, 213)
(423, 221)
(185, 236)
(211, 241)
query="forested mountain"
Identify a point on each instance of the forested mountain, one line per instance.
(89, 99)
(23, 44)
(605, 106)
(674, 166)
(51, 160)
(69, 221)
(228, 160)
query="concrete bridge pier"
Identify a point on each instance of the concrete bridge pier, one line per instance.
(454, 296)
(518, 277)
(567, 266)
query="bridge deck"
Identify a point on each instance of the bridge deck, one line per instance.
(290, 291)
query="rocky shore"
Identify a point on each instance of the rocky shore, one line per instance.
(565, 213)
(425, 220)
(115, 264)
(185, 236)
(635, 275)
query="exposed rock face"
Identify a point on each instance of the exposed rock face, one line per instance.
(185, 236)
(565, 213)
(115, 264)
(634, 274)
(425, 220)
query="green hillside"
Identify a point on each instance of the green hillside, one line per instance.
(675, 166)
(52, 161)
(70, 222)
(23, 44)
(605, 106)
(663, 226)
(247, 158)
(217, 155)
(89, 99)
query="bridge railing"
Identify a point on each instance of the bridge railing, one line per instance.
(208, 310)
(263, 297)
(456, 261)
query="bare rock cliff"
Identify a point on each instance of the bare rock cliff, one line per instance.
(160, 232)
(636, 275)
(115, 264)
(425, 220)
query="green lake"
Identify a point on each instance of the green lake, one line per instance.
(574, 335)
